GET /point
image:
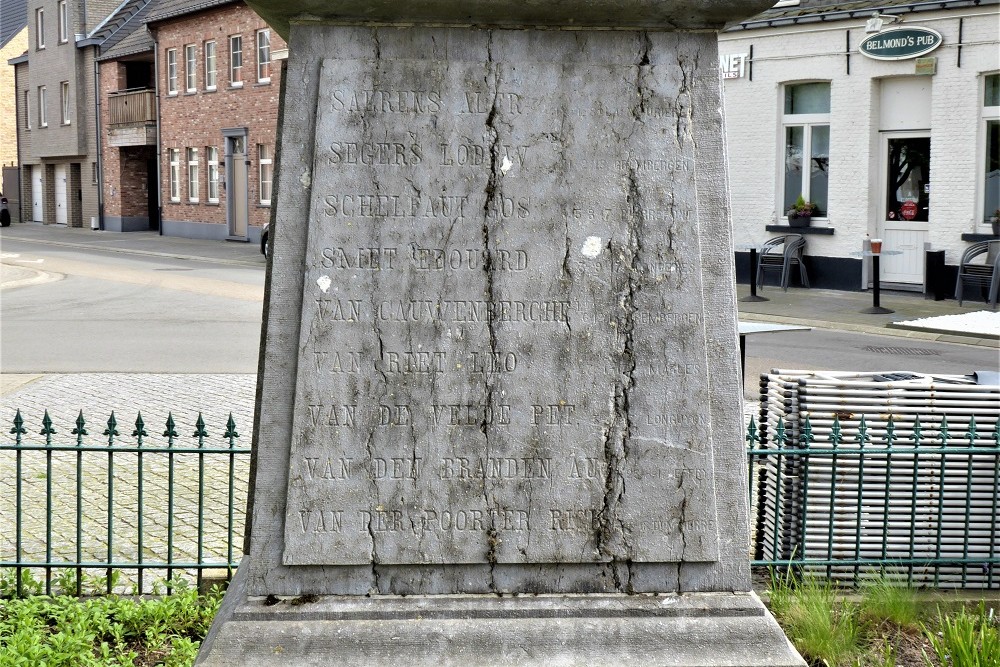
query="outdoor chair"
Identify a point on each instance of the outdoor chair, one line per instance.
(780, 254)
(982, 274)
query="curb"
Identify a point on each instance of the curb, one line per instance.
(888, 330)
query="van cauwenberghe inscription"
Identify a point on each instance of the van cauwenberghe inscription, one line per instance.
(502, 306)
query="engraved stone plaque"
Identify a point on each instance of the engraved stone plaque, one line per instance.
(502, 353)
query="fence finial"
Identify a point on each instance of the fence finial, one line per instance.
(231, 433)
(18, 429)
(140, 431)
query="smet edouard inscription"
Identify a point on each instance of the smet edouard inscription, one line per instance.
(504, 354)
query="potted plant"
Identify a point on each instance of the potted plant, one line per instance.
(800, 213)
(995, 222)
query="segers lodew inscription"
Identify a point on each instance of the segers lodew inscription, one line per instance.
(502, 355)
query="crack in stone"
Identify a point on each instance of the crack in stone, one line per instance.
(492, 192)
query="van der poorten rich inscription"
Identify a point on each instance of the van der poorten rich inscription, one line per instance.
(499, 320)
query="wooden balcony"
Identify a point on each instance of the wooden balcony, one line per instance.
(132, 117)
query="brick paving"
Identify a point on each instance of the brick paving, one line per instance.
(98, 395)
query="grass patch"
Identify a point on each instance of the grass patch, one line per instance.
(885, 624)
(112, 630)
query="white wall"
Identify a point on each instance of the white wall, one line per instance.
(817, 52)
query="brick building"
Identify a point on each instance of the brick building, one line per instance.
(217, 91)
(902, 145)
(13, 43)
(55, 98)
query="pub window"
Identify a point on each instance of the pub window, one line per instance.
(171, 71)
(192, 162)
(209, 65)
(806, 128)
(63, 22)
(174, 156)
(191, 73)
(212, 159)
(263, 56)
(991, 134)
(266, 172)
(236, 61)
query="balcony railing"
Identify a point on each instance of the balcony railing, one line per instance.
(132, 106)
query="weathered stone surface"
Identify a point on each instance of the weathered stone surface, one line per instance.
(501, 357)
(503, 351)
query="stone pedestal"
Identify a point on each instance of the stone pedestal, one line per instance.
(500, 418)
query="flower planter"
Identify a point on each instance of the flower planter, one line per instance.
(799, 220)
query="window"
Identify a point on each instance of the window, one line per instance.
(192, 160)
(63, 22)
(263, 56)
(806, 124)
(264, 159)
(236, 60)
(93, 173)
(43, 120)
(209, 65)
(190, 73)
(991, 133)
(212, 158)
(175, 174)
(27, 109)
(171, 71)
(39, 28)
(64, 101)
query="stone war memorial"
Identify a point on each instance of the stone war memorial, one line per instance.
(499, 411)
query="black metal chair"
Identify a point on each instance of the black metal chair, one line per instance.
(778, 255)
(982, 274)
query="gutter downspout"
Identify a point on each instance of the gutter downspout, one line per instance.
(159, 142)
(100, 142)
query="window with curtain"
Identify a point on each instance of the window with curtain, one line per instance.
(806, 124)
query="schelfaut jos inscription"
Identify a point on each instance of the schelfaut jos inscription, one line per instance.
(502, 329)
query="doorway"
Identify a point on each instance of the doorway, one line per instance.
(904, 210)
(237, 166)
(37, 208)
(152, 195)
(60, 189)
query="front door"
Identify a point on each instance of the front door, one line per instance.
(37, 207)
(236, 195)
(61, 203)
(905, 206)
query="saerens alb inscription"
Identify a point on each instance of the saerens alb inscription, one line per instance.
(504, 356)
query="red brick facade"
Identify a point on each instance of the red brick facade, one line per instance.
(196, 118)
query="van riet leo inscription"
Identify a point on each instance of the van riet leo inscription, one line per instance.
(504, 356)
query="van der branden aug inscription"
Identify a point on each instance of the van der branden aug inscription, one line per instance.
(499, 319)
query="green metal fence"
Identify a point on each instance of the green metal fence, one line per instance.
(107, 503)
(862, 495)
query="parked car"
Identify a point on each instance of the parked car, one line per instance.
(4, 212)
(263, 239)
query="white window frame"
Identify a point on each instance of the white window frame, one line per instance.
(39, 29)
(807, 121)
(63, 15)
(192, 180)
(43, 118)
(64, 102)
(236, 61)
(987, 114)
(263, 50)
(27, 109)
(212, 166)
(265, 167)
(171, 71)
(190, 68)
(174, 157)
(211, 67)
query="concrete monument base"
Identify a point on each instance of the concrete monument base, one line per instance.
(468, 630)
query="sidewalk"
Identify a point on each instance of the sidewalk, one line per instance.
(136, 243)
(833, 309)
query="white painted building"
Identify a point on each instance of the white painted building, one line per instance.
(904, 149)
